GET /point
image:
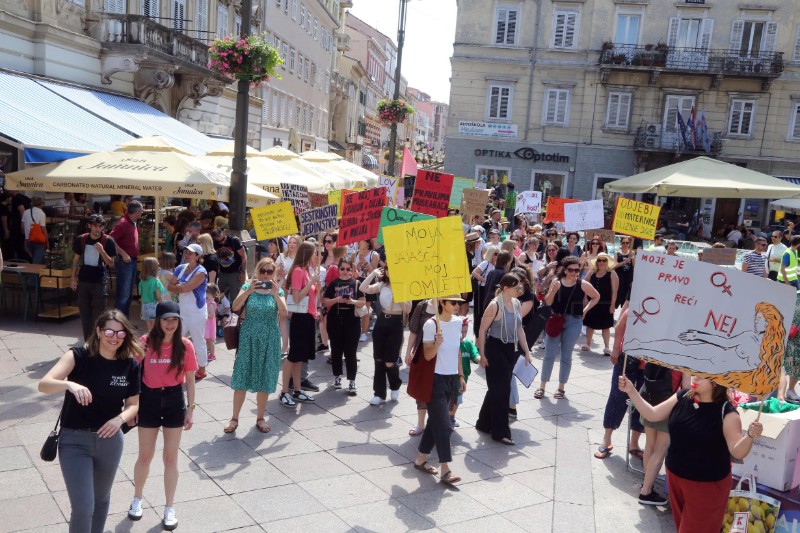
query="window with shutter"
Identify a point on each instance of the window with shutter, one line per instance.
(556, 107)
(741, 118)
(289, 113)
(771, 36)
(506, 25)
(294, 9)
(115, 6)
(305, 120)
(284, 54)
(306, 69)
(179, 15)
(794, 126)
(565, 27)
(499, 102)
(201, 20)
(316, 28)
(286, 6)
(300, 65)
(222, 21)
(673, 104)
(297, 117)
(274, 109)
(237, 26)
(796, 52)
(618, 112)
(151, 8)
(281, 110)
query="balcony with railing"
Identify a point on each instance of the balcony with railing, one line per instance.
(718, 63)
(656, 138)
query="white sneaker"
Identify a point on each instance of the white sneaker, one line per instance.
(351, 390)
(363, 338)
(337, 383)
(376, 400)
(170, 520)
(135, 510)
(395, 394)
(792, 395)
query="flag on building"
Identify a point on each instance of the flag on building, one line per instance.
(702, 132)
(682, 126)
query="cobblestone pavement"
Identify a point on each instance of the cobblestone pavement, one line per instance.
(339, 465)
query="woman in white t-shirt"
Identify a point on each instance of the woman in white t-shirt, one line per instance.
(448, 381)
(32, 216)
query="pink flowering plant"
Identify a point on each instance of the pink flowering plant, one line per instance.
(250, 59)
(393, 111)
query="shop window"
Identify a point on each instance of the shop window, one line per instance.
(549, 184)
(487, 177)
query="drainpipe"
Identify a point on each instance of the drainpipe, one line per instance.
(534, 51)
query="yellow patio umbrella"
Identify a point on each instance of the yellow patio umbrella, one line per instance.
(153, 143)
(288, 158)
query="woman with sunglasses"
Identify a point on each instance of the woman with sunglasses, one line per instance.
(100, 382)
(189, 282)
(626, 259)
(168, 363)
(441, 338)
(605, 281)
(387, 337)
(566, 297)
(328, 244)
(501, 335)
(341, 299)
(258, 358)
(593, 248)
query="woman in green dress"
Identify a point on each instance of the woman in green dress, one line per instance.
(258, 359)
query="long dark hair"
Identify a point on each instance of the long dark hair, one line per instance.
(524, 275)
(130, 346)
(156, 337)
(334, 236)
(503, 260)
(305, 251)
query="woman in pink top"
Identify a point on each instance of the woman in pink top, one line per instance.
(302, 326)
(166, 366)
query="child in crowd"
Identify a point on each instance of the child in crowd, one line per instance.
(168, 262)
(469, 355)
(151, 290)
(223, 313)
(212, 302)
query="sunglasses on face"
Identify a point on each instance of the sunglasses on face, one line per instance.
(595, 243)
(326, 241)
(266, 270)
(626, 242)
(345, 269)
(120, 334)
(602, 260)
(573, 270)
(452, 302)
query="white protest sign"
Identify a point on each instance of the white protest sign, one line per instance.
(715, 322)
(313, 221)
(529, 202)
(391, 188)
(583, 215)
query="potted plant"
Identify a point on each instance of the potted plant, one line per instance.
(649, 46)
(250, 59)
(619, 59)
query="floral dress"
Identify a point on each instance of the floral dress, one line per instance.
(791, 359)
(258, 359)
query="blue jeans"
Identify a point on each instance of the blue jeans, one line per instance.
(126, 279)
(563, 345)
(617, 405)
(36, 251)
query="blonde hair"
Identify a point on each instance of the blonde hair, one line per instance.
(509, 245)
(149, 268)
(267, 261)
(168, 261)
(221, 222)
(206, 243)
(489, 252)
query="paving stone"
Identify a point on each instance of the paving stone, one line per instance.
(445, 506)
(20, 483)
(501, 494)
(481, 525)
(308, 466)
(14, 458)
(211, 515)
(325, 521)
(343, 491)
(278, 503)
(340, 435)
(535, 518)
(386, 517)
(369, 456)
(16, 515)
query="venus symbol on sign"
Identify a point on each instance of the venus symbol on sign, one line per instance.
(650, 306)
(721, 283)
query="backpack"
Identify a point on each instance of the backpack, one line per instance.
(37, 234)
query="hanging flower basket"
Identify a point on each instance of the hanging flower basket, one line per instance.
(250, 59)
(393, 111)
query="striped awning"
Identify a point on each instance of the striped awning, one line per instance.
(369, 161)
(795, 181)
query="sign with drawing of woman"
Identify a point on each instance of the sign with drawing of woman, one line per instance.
(709, 320)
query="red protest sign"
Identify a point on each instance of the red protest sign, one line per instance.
(361, 215)
(555, 208)
(318, 199)
(432, 193)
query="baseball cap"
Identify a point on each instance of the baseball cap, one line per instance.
(196, 248)
(168, 309)
(496, 231)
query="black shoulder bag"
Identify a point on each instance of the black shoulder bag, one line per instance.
(49, 449)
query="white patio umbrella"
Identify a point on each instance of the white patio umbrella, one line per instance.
(288, 158)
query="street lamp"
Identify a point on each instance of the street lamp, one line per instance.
(238, 192)
(401, 37)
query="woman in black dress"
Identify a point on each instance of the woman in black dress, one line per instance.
(605, 281)
(626, 258)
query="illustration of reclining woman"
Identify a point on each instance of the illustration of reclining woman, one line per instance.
(735, 356)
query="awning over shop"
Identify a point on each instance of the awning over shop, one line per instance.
(795, 181)
(369, 161)
(333, 145)
(48, 127)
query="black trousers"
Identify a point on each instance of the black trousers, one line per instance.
(91, 303)
(344, 332)
(493, 417)
(387, 340)
(437, 429)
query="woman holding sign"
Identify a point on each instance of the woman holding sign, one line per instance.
(705, 431)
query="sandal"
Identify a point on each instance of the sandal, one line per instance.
(426, 467)
(603, 451)
(262, 428)
(416, 431)
(506, 440)
(450, 478)
(538, 393)
(585, 348)
(638, 453)
(559, 394)
(231, 427)
(606, 352)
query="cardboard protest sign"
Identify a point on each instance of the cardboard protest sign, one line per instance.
(391, 216)
(361, 215)
(427, 259)
(583, 215)
(605, 235)
(457, 191)
(432, 193)
(318, 199)
(474, 202)
(315, 221)
(297, 195)
(636, 219)
(718, 323)
(555, 208)
(391, 188)
(528, 202)
(276, 220)
(719, 256)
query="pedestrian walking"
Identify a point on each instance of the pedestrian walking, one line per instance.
(189, 283)
(343, 300)
(755, 262)
(126, 238)
(38, 243)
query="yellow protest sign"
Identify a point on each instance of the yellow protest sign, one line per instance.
(427, 259)
(780, 215)
(335, 198)
(636, 219)
(276, 220)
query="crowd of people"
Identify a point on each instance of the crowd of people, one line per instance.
(310, 296)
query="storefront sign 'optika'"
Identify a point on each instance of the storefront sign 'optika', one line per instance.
(523, 153)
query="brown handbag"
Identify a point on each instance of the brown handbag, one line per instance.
(230, 331)
(420, 374)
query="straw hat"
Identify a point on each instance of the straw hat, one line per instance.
(504, 220)
(472, 237)
(604, 255)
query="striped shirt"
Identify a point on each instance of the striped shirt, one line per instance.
(755, 263)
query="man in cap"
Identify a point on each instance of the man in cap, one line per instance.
(94, 253)
(494, 221)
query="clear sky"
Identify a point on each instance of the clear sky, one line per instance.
(430, 30)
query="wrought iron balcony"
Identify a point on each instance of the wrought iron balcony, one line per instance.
(655, 138)
(658, 59)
